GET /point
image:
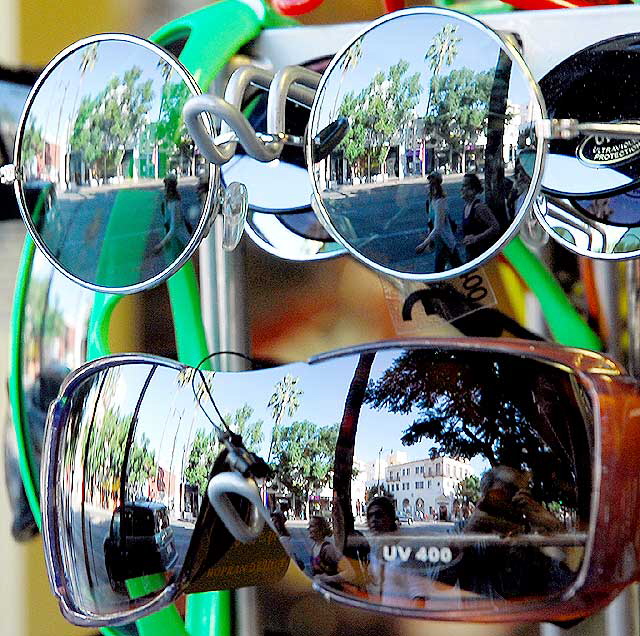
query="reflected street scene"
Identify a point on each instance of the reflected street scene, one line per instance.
(121, 190)
(56, 313)
(404, 477)
(428, 176)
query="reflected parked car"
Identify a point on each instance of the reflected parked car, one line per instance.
(140, 543)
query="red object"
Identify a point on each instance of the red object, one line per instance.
(530, 5)
(393, 5)
(295, 7)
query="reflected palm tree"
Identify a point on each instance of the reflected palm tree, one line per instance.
(343, 521)
(348, 62)
(87, 64)
(284, 400)
(494, 149)
(441, 52)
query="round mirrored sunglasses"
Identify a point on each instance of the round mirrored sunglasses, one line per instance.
(423, 162)
(123, 198)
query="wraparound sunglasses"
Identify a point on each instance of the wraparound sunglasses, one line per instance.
(159, 479)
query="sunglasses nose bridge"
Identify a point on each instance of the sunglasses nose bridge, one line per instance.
(218, 491)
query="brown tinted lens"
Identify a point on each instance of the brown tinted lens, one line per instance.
(412, 478)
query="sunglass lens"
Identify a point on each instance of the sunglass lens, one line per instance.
(591, 165)
(408, 478)
(429, 176)
(112, 186)
(126, 517)
(131, 472)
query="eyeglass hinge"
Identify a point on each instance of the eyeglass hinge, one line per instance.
(559, 128)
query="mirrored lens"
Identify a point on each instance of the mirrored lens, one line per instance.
(593, 203)
(429, 176)
(120, 191)
(595, 84)
(406, 478)
(402, 478)
(131, 474)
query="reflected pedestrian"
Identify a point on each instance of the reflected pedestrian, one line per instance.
(174, 223)
(480, 228)
(441, 239)
(328, 565)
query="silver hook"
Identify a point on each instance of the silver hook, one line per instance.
(291, 82)
(262, 148)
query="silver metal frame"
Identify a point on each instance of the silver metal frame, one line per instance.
(210, 204)
(536, 177)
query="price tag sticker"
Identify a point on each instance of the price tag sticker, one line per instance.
(417, 308)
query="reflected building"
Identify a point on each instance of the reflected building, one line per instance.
(425, 488)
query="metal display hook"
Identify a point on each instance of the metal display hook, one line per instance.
(292, 82)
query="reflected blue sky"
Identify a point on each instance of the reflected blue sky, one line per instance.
(408, 38)
(60, 95)
(170, 416)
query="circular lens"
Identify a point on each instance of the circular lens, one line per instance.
(596, 84)
(112, 189)
(591, 183)
(427, 181)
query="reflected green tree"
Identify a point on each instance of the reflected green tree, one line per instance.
(497, 407)
(32, 141)
(142, 467)
(107, 125)
(378, 114)
(240, 422)
(468, 489)
(204, 451)
(171, 131)
(303, 456)
(459, 108)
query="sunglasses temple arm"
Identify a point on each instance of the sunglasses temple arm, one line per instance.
(571, 128)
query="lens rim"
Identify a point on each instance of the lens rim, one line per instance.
(56, 420)
(209, 207)
(536, 177)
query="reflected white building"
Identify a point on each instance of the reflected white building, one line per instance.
(425, 488)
